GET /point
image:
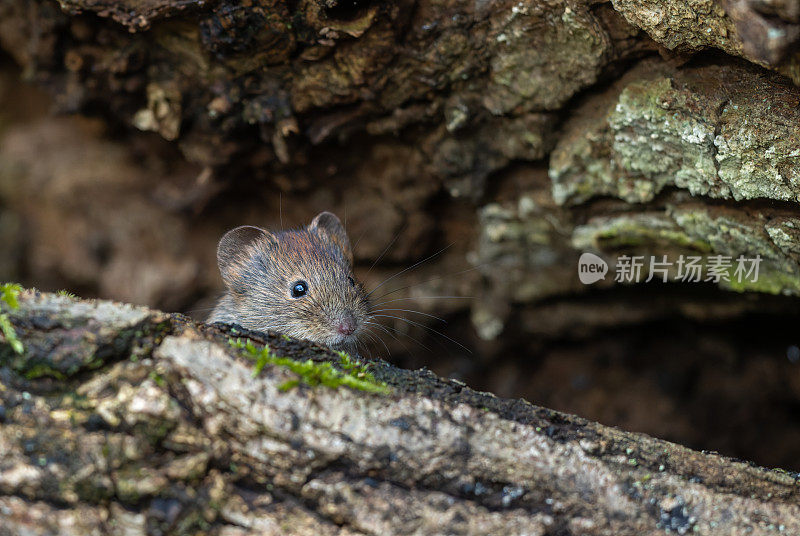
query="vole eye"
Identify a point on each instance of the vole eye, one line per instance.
(352, 281)
(299, 289)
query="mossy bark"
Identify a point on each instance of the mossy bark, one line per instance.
(427, 113)
(522, 133)
(169, 432)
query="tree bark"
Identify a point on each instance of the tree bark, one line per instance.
(523, 133)
(458, 122)
(455, 121)
(124, 420)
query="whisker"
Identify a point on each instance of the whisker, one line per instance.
(432, 279)
(364, 232)
(367, 334)
(362, 348)
(200, 310)
(403, 228)
(410, 311)
(410, 268)
(375, 338)
(423, 326)
(386, 330)
(425, 298)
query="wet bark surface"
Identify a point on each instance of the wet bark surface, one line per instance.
(151, 425)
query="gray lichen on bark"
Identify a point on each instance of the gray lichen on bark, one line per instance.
(710, 131)
(122, 418)
(443, 100)
(171, 433)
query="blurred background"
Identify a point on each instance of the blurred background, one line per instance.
(501, 139)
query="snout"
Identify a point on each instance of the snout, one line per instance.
(346, 325)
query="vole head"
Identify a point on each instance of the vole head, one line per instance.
(297, 282)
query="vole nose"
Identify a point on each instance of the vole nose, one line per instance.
(346, 324)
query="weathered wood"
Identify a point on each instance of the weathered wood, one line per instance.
(521, 131)
(163, 429)
(490, 125)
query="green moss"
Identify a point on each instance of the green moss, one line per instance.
(351, 365)
(629, 233)
(288, 385)
(769, 281)
(8, 294)
(354, 374)
(40, 370)
(157, 378)
(194, 522)
(66, 294)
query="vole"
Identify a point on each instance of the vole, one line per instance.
(298, 282)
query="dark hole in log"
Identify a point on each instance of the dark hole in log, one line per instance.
(345, 9)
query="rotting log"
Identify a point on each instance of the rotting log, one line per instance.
(490, 125)
(125, 420)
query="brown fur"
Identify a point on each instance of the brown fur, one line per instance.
(259, 269)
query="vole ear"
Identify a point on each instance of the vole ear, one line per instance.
(231, 248)
(330, 224)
